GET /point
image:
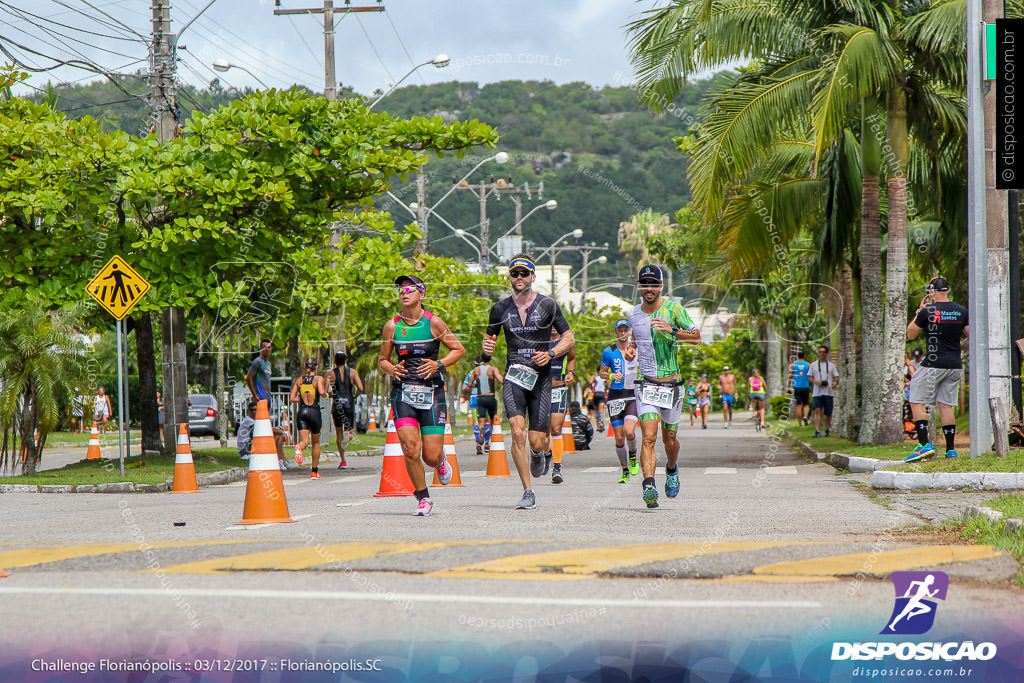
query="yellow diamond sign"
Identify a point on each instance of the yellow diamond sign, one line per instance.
(117, 287)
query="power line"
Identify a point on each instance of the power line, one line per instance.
(113, 19)
(401, 42)
(77, 63)
(58, 36)
(316, 59)
(252, 53)
(374, 48)
(73, 28)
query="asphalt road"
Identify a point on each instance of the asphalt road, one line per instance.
(759, 544)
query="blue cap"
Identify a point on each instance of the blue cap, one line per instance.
(622, 322)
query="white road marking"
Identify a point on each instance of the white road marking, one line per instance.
(415, 597)
(354, 503)
(720, 470)
(239, 527)
(603, 469)
(357, 477)
(782, 469)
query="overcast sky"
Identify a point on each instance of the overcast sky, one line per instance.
(487, 40)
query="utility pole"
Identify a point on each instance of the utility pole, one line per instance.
(163, 104)
(485, 256)
(422, 244)
(328, 10)
(977, 237)
(997, 254)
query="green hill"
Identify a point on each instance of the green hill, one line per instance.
(600, 154)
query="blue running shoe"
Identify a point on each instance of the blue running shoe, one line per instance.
(672, 484)
(951, 453)
(651, 496)
(920, 453)
(817, 434)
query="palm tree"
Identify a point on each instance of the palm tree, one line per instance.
(818, 65)
(40, 361)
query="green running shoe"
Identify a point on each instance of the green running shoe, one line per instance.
(651, 496)
(624, 479)
(634, 465)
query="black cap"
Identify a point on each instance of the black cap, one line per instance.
(401, 279)
(938, 284)
(917, 353)
(650, 272)
(312, 363)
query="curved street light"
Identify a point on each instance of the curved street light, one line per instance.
(575, 234)
(550, 205)
(223, 65)
(440, 61)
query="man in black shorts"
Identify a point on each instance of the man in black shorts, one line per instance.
(482, 378)
(527, 318)
(343, 401)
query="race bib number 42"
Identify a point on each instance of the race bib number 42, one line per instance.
(522, 376)
(418, 396)
(660, 397)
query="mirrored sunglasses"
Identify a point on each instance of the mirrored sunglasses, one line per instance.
(519, 273)
(408, 289)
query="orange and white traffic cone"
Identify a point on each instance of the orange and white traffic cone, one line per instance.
(93, 453)
(184, 467)
(394, 477)
(611, 430)
(453, 461)
(264, 493)
(373, 422)
(497, 463)
(568, 442)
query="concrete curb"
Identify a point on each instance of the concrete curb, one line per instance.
(855, 463)
(911, 481)
(804, 449)
(203, 479)
(1014, 525)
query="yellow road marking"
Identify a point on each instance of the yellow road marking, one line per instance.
(313, 555)
(880, 562)
(583, 562)
(33, 556)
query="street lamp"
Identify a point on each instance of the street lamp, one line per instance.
(440, 61)
(550, 205)
(575, 234)
(477, 247)
(583, 270)
(223, 65)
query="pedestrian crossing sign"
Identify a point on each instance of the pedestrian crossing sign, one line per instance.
(117, 287)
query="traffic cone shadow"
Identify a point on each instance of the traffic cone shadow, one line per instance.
(184, 467)
(264, 492)
(497, 463)
(394, 477)
(93, 452)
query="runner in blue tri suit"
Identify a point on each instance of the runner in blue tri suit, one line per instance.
(619, 364)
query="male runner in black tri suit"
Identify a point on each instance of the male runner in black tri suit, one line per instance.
(343, 401)
(527, 318)
(482, 377)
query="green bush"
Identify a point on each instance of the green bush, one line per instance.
(779, 406)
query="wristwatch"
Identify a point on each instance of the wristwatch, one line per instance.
(551, 355)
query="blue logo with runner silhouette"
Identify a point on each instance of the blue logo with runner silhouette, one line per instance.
(916, 595)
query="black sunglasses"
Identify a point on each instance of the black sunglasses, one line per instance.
(519, 273)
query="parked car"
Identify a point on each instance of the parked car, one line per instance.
(202, 415)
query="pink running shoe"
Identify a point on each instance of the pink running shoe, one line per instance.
(424, 508)
(298, 455)
(444, 471)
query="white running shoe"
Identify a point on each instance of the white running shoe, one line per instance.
(424, 508)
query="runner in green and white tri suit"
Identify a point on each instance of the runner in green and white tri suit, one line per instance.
(658, 327)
